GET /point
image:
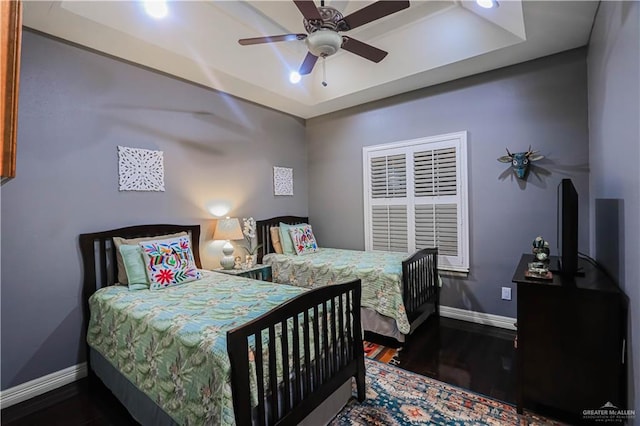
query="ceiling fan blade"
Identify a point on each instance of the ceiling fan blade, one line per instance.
(308, 9)
(307, 64)
(363, 49)
(374, 11)
(271, 39)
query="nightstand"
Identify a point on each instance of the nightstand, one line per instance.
(257, 272)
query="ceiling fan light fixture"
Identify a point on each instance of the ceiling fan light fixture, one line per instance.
(295, 77)
(323, 43)
(487, 4)
(156, 8)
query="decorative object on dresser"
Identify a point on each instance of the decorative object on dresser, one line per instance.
(520, 161)
(140, 169)
(571, 353)
(228, 229)
(282, 181)
(539, 269)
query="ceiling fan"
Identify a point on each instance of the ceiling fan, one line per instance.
(323, 25)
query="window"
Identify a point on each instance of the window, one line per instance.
(415, 196)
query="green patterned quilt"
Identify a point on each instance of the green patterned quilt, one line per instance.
(380, 272)
(171, 343)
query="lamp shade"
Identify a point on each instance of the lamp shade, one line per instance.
(228, 229)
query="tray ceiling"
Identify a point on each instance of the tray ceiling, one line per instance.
(430, 42)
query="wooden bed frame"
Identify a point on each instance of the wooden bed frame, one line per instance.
(311, 379)
(420, 282)
(308, 382)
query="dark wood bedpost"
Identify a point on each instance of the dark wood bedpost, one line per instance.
(358, 348)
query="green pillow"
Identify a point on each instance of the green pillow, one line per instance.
(285, 237)
(134, 267)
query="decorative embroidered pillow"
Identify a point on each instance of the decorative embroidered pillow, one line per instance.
(303, 239)
(118, 241)
(169, 262)
(275, 239)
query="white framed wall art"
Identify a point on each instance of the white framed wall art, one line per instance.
(140, 169)
(282, 181)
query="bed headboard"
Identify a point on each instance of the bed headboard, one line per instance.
(99, 257)
(264, 235)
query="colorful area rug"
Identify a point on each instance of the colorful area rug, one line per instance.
(399, 397)
(381, 353)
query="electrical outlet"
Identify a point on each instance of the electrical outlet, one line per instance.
(506, 293)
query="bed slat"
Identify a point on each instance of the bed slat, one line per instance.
(307, 355)
(297, 373)
(285, 368)
(258, 356)
(273, 377)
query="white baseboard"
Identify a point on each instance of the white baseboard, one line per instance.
(42, 385)
(478, 317)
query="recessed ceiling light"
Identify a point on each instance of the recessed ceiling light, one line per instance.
(156, 8)
(487, 4)
(294, 77)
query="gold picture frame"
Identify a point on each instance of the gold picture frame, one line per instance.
(10, 44)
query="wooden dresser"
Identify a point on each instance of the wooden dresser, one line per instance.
(571, 343)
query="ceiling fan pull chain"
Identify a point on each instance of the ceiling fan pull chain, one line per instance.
(324, 71)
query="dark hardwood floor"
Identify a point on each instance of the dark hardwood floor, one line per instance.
(476, 357)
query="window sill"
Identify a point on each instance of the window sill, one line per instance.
(460, 273)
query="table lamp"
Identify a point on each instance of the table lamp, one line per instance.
(228, 229)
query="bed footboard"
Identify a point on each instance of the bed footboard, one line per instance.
(323, 327)
(421, 288)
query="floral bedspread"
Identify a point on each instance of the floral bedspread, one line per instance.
(380, 272)
(171, 343)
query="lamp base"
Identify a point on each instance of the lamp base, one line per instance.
(227, 261)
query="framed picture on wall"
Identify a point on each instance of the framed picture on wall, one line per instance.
(11, 38)
(282, 181)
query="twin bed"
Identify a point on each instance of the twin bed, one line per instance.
(230, 350)
(222, 349)
(399, 292)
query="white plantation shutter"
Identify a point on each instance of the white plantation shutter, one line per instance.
(389, 228)
(389, 176)
(437, 226)
(435, 172)
(388, 187)
(416, 197)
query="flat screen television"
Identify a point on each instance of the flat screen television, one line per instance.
(567, 228)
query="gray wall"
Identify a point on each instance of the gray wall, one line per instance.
(542, 103)
(76, 107)
(614, 114)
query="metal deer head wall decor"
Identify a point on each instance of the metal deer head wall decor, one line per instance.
(520, 161)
